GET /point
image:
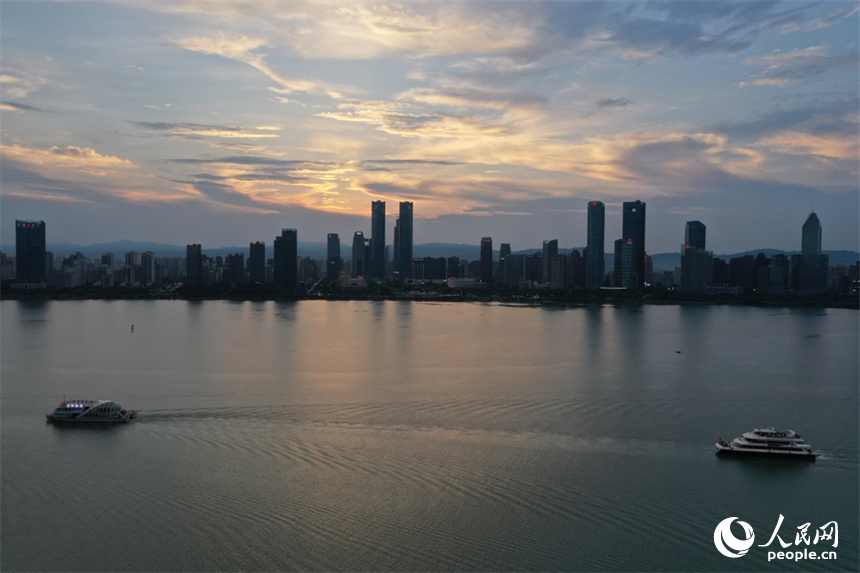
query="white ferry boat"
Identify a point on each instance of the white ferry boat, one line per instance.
(84, 411)
(768, 442)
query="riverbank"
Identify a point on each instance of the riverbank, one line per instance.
(385, 292)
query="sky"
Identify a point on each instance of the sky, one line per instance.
(221, 123)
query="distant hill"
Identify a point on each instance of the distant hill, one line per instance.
(662, 261)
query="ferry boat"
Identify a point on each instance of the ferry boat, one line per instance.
(785, 444)
(81, 411)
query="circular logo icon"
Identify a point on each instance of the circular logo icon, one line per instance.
(727, 543)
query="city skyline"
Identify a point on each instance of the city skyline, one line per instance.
(221, 124)
(806, 273)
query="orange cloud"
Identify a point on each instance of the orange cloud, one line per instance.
(81, 174)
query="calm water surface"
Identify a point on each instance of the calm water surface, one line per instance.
(392, 436)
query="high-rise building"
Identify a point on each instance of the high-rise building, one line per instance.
(623, 275)
(257, 263)
(193, 264)
(558, 271)
(504, 253)
(813, 264)
(780, 273)
(396, 261)
(234, 271)
(30, 252)
(548, 250)
(742, 272)
(649, 269)
(377, 240)
(721, 272)
(697, 264)
(285, 269)
(594, 256)
(514, 270)
(333, 262)
(575, 270)
(633, 230)
(404, 233)
(454, 268)
(811, 237)
(694, 234)
(359, 255)
(486, 259)
(147, 268)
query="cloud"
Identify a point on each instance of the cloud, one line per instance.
(18, 84)
(272, 183)
(393, 119)
(798, 65)
(190, 130)
(241, 49)
(79, 174)
(81, 158)
(614, 102)
(841, 11)
(373, 30)
(806, 145)
(257, 160)
(471, 96)
(20, 107)
(234, 48)
(401, 164)
(837, 117)
(221, 194)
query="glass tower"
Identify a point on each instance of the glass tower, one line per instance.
(594, 256)
(30, 251)
(285, 271)
(811, 239)
(377, 240)
(633, 230)
(404, 235)
(486, 259)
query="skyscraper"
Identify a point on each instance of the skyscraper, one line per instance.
(404, 236)
(257, 263)
(622, 275)
(504, 253)
(193, 264)
(813, 264)
(486, 259)
(285, 271)
(396, 259)
(333, 261)
(697, 264)
(147, 268)
(377, 240)
(234, 270)
(694, 234)
(548, 250)
(359, 255)
(811, 237)
(633, 230)
(30, 251)
(594, 256)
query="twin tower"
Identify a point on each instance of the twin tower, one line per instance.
(629, 249)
